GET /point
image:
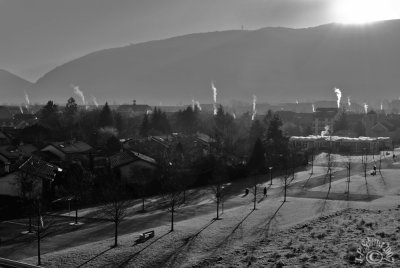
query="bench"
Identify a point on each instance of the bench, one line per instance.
(145, 236)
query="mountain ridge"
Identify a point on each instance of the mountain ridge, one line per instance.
(273, 63)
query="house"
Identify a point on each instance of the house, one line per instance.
(133, 110)
(377, 125)
(69, 151)
(126, 162)
(34, 170)
(11, 156)
(324, 117)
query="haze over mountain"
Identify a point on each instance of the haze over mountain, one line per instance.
(276, 64)
(12, 88)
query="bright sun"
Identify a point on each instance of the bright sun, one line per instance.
(365, 11)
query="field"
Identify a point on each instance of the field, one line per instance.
(314, 228)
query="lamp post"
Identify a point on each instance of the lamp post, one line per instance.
(270, 176)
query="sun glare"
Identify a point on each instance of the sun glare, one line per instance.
(365, 11)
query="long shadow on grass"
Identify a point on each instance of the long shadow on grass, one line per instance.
(272, 218)
(98, 255)
(126, 262)
(172, 258)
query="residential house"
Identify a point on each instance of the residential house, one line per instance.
(133, 110)
(33, 170)
(11, 156)
(125, 163)
(69, 151)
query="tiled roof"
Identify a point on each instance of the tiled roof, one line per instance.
(127, 157)
(39, 168)
(12, 152)
(72, 147)
(120, 159)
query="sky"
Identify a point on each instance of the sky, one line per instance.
(38, 35)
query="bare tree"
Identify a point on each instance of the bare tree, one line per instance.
(364, 162)
(78, 183)
(286, 175)
(217, 182)
(44, 224)
(172, 194)
(115, 203)
(141, 177)
(348, 168)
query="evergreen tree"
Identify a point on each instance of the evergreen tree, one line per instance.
(256, 162)
(277, 144)
(145, 126)
(106, 117)
(188, 119)
(71, 108)
(257, 131)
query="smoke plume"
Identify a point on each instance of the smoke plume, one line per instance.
(325, 132)
(254, 107)
(27, 101)
(95, 101)
(78, 92)
(348, 101)
(197, 105)
(21, 110)
(214, 89)
(365, 108)
(338, 95)
(313, 108)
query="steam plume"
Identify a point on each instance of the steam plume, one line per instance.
(21, 110)
(27, 101)
(78, 92)
(95, 101)
(234, 115)
(197, 105)
(365, 108)
(297, 101)
(214, 89)
(338, 95)
(348, 101)
(381, 106)
(313, 108)
(326, 131)
(254, 107)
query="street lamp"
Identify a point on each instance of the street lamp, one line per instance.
(270, 176)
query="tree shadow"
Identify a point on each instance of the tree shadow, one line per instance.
(91, 259)
(172, 258)
(127, 260)
(272, 218)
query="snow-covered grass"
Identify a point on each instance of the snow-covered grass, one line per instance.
(258, 238)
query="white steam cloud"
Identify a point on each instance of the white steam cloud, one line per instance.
(197, 105)
(27, 101)
(78, 92)
(21, 110)
(214, 89)
(325, 132)
(95, 101)
(338, 95)
(313, 108)
(254, 107)
(348, 101)
(365, 108)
